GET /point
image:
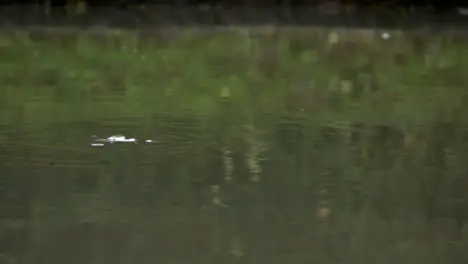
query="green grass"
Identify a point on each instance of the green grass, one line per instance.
(86, 74)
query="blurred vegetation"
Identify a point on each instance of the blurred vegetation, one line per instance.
(299, 144)
(151, 71)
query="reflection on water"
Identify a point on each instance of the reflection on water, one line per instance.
(291, 188)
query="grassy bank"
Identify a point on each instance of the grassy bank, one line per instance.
(80, 74)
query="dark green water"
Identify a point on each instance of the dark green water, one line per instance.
(290, 189)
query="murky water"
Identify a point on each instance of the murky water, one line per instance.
(233, 185)
(190, 190)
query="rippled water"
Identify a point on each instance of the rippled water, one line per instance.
(185, 189)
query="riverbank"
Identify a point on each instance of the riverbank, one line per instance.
(416, 76)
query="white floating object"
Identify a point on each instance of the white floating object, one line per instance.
(119, 138)
(116, 138)
(385, 35)
(99, 142)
